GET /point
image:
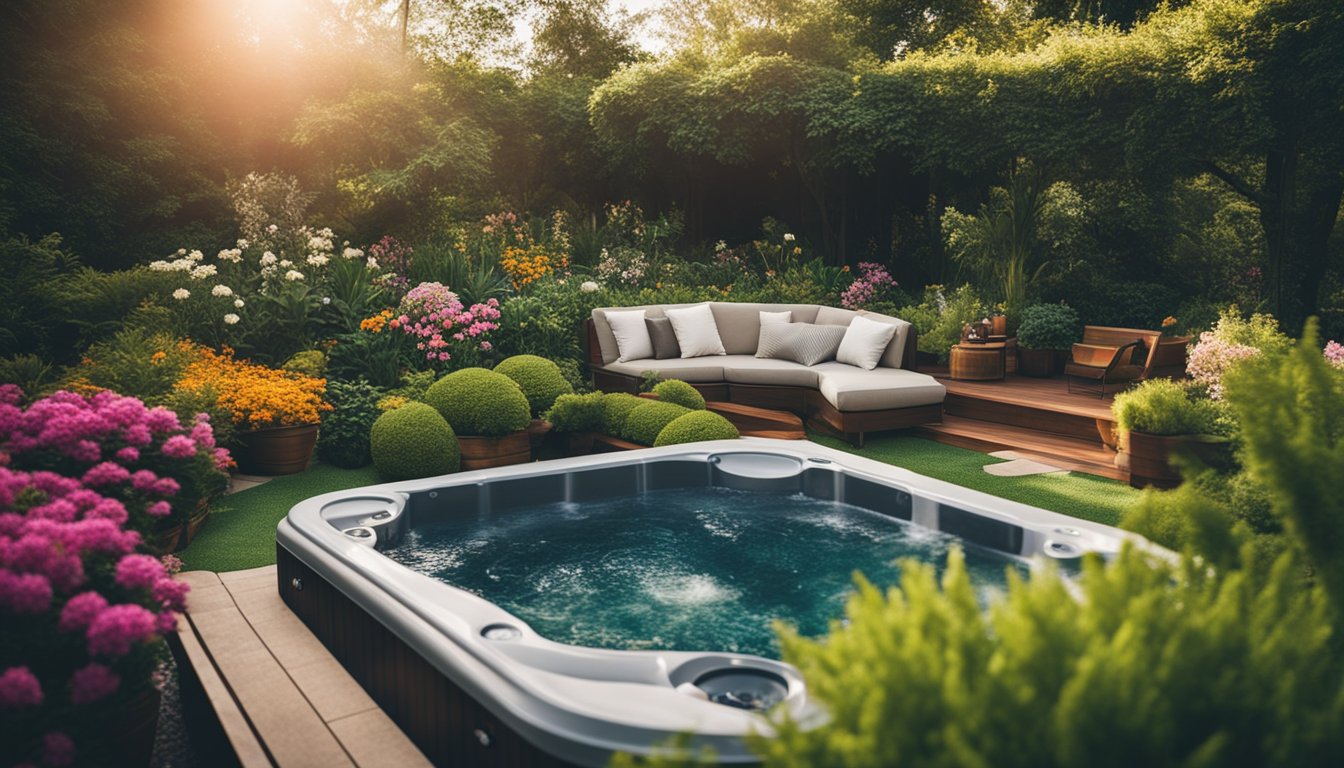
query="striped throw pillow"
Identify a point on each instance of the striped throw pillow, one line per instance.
(804, 343)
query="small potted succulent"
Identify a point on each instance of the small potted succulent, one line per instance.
(488, 412)
(1044, 337)
(1161, 418)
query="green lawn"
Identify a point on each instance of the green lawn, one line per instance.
(241, 531)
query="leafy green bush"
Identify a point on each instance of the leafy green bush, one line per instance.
(29, 308)
(31, 373)
(577, 413)
(378, 358)
(413, 441)
(1048, 326)
(344, 436)
(939, 317)
(615, 407)
(541, 380)
(309, 362)
(133, 362)
(480, 402)
(1164, 407)
(646, 421)
(681, 393)
(696, 426)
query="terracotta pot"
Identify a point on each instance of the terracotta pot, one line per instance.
(276, 450)
(485, 452)
(1041, 363)
(1148, 457)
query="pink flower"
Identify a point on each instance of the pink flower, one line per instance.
(137, 435)
(93, 682)
(144, 480)
(162, 420)
(117, 628)
(19, 688)
(1334, 352)
(179, 447)
(106, 473)
(11, 394)
(24, 592)
(80, 611)
(171, 593)
(57, 749)
(139, 571)
(159, 509)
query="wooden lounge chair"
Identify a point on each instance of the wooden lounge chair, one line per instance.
(1111, 356)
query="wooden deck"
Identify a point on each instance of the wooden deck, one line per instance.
(1038, 418)
(280, 697)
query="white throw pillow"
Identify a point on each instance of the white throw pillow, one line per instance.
(777, 317)
(632, 335)
(865, 341)
(697, 333)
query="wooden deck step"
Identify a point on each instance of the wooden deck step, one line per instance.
(760, 422)
(1044, 405)
(1065, 452)
(280, 697)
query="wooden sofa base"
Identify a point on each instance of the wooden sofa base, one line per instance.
(850, 426)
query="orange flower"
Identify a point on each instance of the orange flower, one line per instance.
(255, 396)
(1168, 321)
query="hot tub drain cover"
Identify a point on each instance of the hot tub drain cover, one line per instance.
(743, 688)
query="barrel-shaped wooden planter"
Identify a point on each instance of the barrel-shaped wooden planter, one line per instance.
(180, 535)
(537, 432)
(1148, 457)
(485, 452)
(277, 450)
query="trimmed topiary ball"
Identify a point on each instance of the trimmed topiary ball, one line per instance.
(695, 426)
(679, 392)
(577, 413)
(615, 407)
(413, 441)
(478, 402)
(541, 380)
(646, 421)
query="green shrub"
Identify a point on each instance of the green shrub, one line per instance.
(696, 426)
(1164, 407)
(31, 373)
(1048, 326)
(480, 402)
(615, 407)
(681, 393)
(134, 362)
(413, 441)
(541, 380)
(344, 438)
(940, 315)
(577, 413)
(646, 421)
(309, 362)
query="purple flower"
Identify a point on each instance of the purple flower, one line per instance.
(11, 394)
(128, 455)
(24, 592)
(179, 447)
(139, 571)
(19, 688)
(162, 420)
(93, 682)
(171, 593)
(159, 509)
(107, 473)
(57, 749)
(117, 628)
(80, 611)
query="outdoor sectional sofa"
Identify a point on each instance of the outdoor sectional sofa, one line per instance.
(833, 396)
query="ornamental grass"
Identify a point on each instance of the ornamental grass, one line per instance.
(255, 396)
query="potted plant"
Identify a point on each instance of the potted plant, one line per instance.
(1161, 418)
(1170, 356)
(488, 412)
(1044, 336)
(276, 412)
(412, 441)
(542, 382)
(578, 418)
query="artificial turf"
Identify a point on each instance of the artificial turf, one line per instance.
(241, 530)
(1089, 497)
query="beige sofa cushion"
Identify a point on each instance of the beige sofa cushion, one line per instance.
(606, 342)
(777, 373)
(740, 324)
(695, 370)
(834, 316)
(854, 389)
(895, 353)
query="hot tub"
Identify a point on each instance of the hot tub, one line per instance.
(403, 583)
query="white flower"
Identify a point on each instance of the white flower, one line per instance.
(293, 274)
(181, 294)
(267, 258)
(372, 263)
(326, 300)
(242, 244)
(272, 229)
(326, 232)
(788, 237)
(720, 247)
(352, 253)
(204, 271)
(181, 251)
(195, 256)
(286, 263)
(588, 286)
(234, 255)
(161, 266)
(231, 319)
(221, 290)
(317, 260)
(239, 303)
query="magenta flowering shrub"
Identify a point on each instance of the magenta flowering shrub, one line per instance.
(1211, 358)
(81, 613)
(869, 286)
(1334, 352)
(144, 458)
(442, 325)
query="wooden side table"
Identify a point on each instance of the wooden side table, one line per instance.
(978, 362)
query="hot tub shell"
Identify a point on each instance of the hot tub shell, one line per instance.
(472, 684)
